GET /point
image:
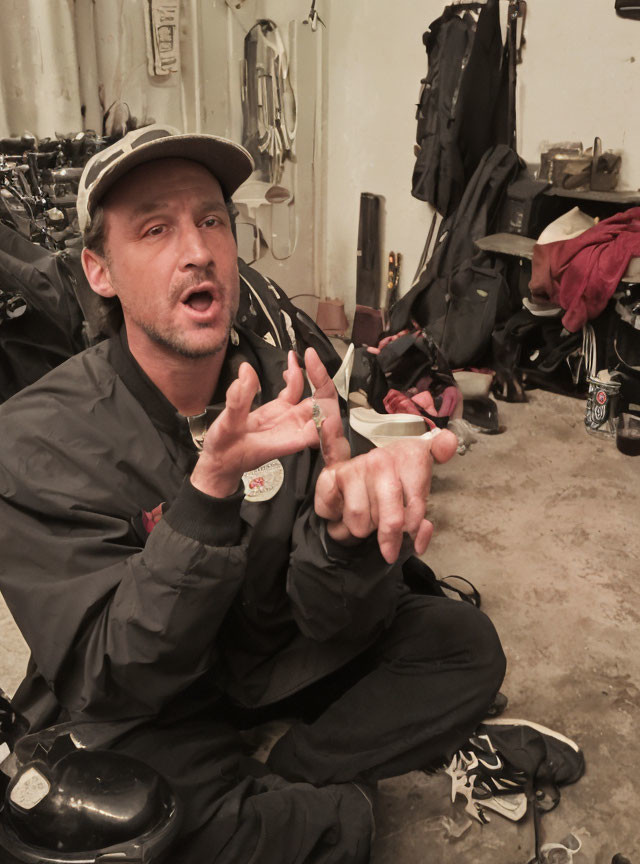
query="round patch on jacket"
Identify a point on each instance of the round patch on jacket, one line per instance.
(262, 483)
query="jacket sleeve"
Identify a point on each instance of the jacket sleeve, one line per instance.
(117, 629)
(342, 592)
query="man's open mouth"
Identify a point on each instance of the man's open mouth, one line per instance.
(199, 300)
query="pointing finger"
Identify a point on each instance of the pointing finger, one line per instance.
(335, 447)
(240, 395)
(358, 509)
(387, 507)
(328, 498)
(317, 373)
(423, 537)
(413, 462)
(294, 381)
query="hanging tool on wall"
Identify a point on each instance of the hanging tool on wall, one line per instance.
(268, 133)
(162, 31)
(268, 101)
(367, 321)
(393, 281)
(313, 18)
(516, 16)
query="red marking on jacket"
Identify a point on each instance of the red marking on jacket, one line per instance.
(150, 518)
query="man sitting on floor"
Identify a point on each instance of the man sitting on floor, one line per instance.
(175, 587)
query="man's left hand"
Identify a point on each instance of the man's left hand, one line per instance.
(384, 490)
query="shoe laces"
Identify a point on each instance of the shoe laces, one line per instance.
(493, 774)
(480, 774)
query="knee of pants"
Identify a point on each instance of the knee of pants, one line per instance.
(458, 635)
(481, 641)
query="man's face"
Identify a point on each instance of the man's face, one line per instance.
(171, 258)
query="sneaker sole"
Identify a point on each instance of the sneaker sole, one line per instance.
(504, 721)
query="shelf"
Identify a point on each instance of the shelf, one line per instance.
(618, 196)
(507, 244)
(522, 247)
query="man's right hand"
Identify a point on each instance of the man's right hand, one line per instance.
(241, 439)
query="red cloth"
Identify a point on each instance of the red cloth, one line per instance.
(422, 404)
(396, 402)
(451, 397)
(581, 274)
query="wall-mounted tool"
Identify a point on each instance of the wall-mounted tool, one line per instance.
(393, 281)
(268, 102)
(313, 18)
(162, 30)
(516, 17)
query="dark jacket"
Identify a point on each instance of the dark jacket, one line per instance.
(128, 616)
(460, 112)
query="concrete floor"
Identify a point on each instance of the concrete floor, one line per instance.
(543, 519)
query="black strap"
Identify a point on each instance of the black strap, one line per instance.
(425, 252)
(470, 594)
(422, 580)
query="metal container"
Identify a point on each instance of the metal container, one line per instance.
(600, 412)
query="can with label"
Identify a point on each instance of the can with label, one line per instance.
(600, 411)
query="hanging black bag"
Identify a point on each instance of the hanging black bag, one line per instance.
(458, 101)
(462, 292)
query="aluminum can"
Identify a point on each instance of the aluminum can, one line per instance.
(600, 412)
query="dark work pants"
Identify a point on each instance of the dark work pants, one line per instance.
(407, 703)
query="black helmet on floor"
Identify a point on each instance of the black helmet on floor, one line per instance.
(79, 806)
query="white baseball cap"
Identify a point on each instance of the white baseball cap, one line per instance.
(229, 163)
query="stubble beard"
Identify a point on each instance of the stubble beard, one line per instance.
(175, 344)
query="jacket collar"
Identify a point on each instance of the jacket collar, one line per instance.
(268, 362)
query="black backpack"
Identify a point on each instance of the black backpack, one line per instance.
(50, 330)
(266, 310)
(462, 292)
